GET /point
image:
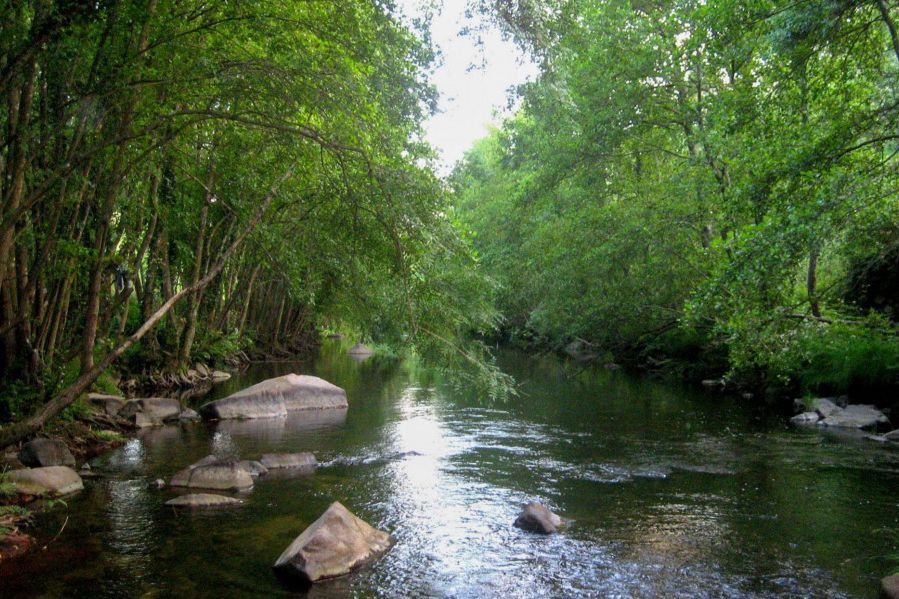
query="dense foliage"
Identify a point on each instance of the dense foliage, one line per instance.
(713, 182)
(181, 180)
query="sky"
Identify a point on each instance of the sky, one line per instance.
(469, 96)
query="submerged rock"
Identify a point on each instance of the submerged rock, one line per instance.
(805, 418)
(151, 411)
(222, 476)
(289, 460)
(219, 375)
(253, 468)
(275, 397)
(536, 517)
(334, 545)
(196, 500)
(188, 415)
(856, 416)
(50, 480)
(46, 452)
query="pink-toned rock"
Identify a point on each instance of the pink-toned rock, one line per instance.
(276, 397)
(334, 545)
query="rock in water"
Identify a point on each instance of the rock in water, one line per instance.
(151, 411)
(221, 476)
(188, 415)
(889, 587)
(203, 500)
(805, 418)
(275, 397)
(51, 480)
(109, 404)
(825, 407)
(536, 517)
(360, 349)
(218, 376)
(253, 468)
(856, 416)
(46, 452)
(289, 460)
(334, 545)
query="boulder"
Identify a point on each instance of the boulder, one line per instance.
(222, 476)
(49, 480)
(202, 370)
(289, 460)
(151, 411)
(46, 452)
(188, 415)
(805, 418)
(714, 383)
(218, 376)
(200, 500)
(856, 416)
(253, 468)
(157, 484)
(334, 545)
(825, 407)
(892, 436)
(889, 587)
(360, 349)
(536, 517)
(108, 404)
(10, 461)
(275, 397)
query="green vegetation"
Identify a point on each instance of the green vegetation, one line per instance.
(702, 183)
(182, 180)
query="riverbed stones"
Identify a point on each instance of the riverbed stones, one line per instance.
(203, 500)
(334, 545)
(46, 452)
(253, 468)
(220, 475)
(53, 481)
(188, 415)
(805, 419)
(276, 397)
(825, 407)
(536, 517)
(219, 376)
(303, 460)
(856, 416)
(889, 587)
(108, 404)
(151, 411)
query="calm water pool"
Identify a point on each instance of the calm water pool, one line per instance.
(670, 493)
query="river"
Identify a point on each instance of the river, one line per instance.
(670, 493)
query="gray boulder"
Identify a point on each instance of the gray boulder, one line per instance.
(151, 411)
(253, 468)
(805, 418)
(201, 500)
(536, 517)
(856, 416)
(202, 370)
(892, 436)
(825, 407)
(221, 476)
(219, 375)
(889, 587)
(276, 397)
(50, 480)
(46, 452)
(334, 545)
(360, 349)
(289, 460)
(188, 415)
(108, 404)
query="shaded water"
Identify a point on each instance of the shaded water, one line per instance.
(671, 494)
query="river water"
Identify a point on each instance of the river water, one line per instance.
(670, 493)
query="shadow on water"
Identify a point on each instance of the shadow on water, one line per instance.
(669, 493)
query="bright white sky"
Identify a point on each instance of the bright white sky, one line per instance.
(473, 81)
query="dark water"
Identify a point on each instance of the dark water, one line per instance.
(672, 494)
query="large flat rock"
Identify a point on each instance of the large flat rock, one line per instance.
(276, 397)
(201, 500)
(334, 545)
(50, 480)
(303, 460)
(220, 476)
(856, 416)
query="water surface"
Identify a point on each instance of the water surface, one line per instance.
(670, 493)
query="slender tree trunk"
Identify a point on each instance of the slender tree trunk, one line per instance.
(811, 283)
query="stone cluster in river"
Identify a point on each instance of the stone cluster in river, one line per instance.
(827, 412)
